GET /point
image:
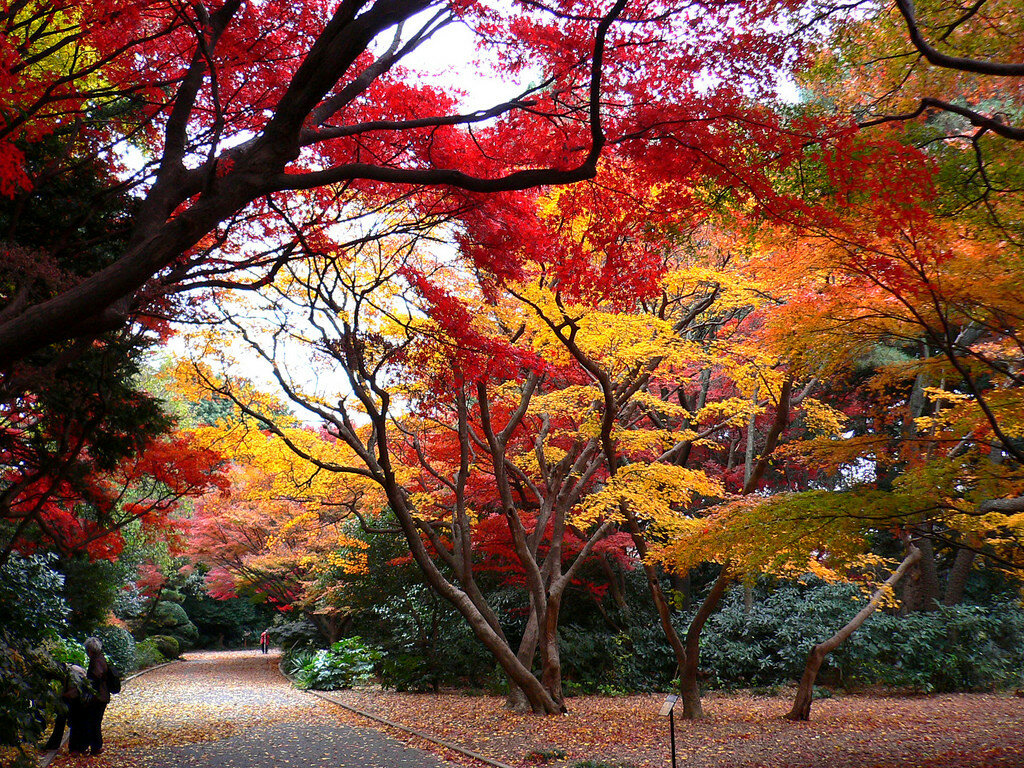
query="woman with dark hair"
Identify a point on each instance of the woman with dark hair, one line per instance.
(93, 707)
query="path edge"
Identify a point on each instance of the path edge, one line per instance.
(391, 724)
(49, 755)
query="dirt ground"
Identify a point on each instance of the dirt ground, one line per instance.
(861, 731)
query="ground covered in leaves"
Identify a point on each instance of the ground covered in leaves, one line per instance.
(969, 730)
(234, 709)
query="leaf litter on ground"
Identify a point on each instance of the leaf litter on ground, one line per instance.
(215, 695)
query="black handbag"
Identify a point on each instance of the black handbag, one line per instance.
(113, 680)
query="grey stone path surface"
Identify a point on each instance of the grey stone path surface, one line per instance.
(233, 709)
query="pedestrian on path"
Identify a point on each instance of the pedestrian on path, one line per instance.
(101, 680)
(265, 641)
(69, 708)
(77, 695)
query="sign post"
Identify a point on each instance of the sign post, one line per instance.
(667, 709)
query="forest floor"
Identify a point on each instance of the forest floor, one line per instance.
(233, 709)
(857, 731)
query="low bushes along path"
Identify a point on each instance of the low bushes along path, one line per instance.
(234, 709)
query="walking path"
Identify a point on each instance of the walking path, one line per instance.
(233, 709)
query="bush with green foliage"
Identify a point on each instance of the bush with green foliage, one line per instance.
(948, 649)
(293, 635)
(636, 659)
(118, 647)
(91, 588)
(147, 654)
(295, 659)
(32, 597)
(169, 618)
(34, 614)
(26, 697)
(166, 645)
(954, 648)
(768, 644)
(345, 663)
(64, 651)
(426, 642)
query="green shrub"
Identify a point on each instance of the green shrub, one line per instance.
(169, 618)
(949, 649)
(295, 659)
(64, 651)
(407, 672)
(427, 643)
(294, 634)
(638, 659)
(957, 648)
(33, 612)
(25, 696)
(147, 654)
(226, 623)
(118, 647)
(31, 597)
(91, 588)
(342, 665)
(166, 645)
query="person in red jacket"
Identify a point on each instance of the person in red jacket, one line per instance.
(264, 642)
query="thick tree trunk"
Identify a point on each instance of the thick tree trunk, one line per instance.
(540, 701)
(928, 585)
(957, 579)
(921, 590)
(551, 659)
(805, 692)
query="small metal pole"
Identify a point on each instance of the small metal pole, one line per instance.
(672, 735)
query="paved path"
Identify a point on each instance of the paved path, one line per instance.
(234, 710)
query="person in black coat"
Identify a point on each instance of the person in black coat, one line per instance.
(94, 704)
(72, 680)
(76, 692)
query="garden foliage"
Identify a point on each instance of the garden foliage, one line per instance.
(344, 664)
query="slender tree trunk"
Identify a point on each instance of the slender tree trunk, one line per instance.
(689, 687)
(516, 700)
(614, 585)
(664, 609)
(805, 693)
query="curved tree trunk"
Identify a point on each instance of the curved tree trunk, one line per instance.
(805, 693)
(689, 687)
(516, 700)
